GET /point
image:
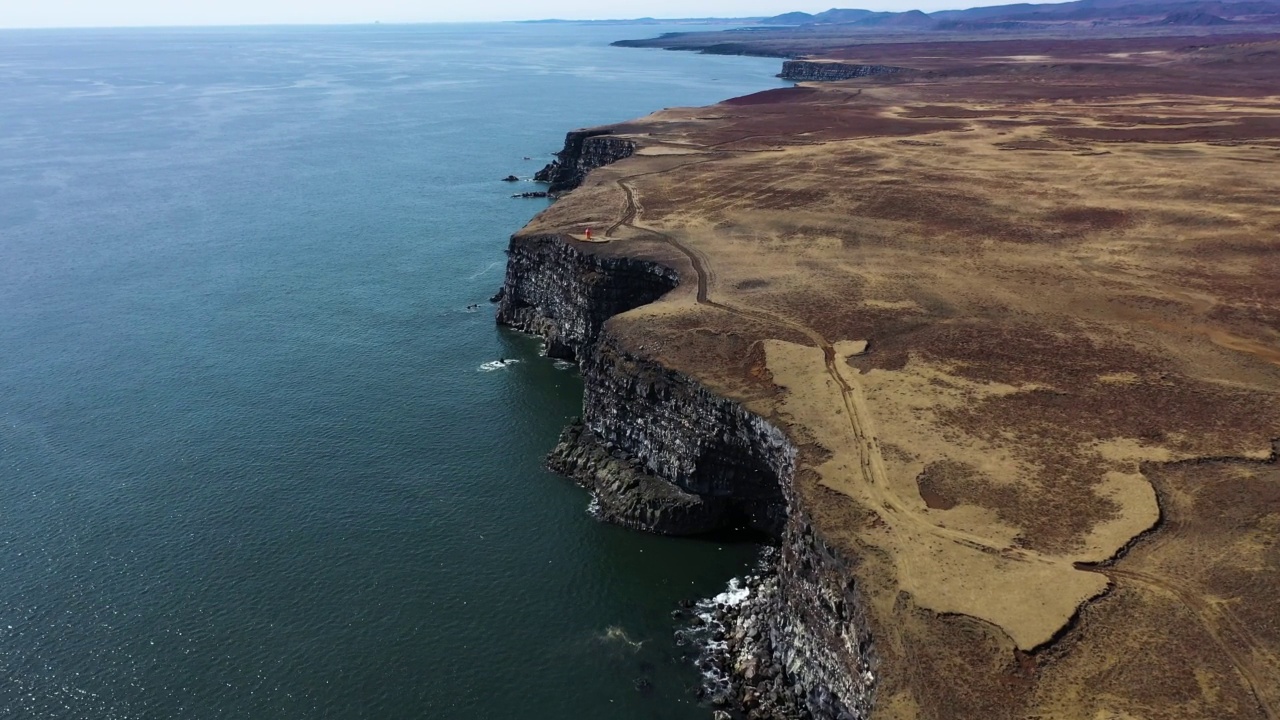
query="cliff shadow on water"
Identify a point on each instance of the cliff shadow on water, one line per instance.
(657, 450)
(662, 453)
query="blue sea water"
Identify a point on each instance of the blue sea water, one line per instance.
(252, 461)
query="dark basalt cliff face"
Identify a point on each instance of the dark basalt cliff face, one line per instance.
(554, 290)
(797, 647)
(808, 70)
(660, 452)
(663, 454)
(584, 150)
(817, 631)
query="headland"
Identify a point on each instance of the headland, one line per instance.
(989, 342)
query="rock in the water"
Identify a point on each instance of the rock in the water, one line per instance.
(511, 178)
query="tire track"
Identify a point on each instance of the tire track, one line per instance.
(633, 207)
(1222, 626)
(891, 507)
(871, 462)
(1219, 623)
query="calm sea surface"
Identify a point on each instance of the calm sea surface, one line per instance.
(251, 462)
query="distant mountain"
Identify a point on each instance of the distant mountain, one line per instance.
(791, 18)
(859, 18)
(983, 13)
(836, 16)
(1023, 15)
(911, 19)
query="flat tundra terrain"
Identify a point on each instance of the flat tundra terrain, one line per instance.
(1018, 305)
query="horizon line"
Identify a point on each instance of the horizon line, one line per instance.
(365, 23)
(962, 5)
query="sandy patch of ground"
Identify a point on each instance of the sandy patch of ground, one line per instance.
(1024, 326)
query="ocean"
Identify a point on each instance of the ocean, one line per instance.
(256, 457)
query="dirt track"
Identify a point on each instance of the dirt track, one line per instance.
(1030, 350)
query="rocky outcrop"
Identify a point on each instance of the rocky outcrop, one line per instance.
(627, 495)
(556, 291)
(817, 627)
(812, 70)
(722, 467)
(584, 150)
(660, 452)
(792, 643)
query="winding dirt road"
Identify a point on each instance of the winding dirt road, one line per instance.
(1231, 636)
(872, 461)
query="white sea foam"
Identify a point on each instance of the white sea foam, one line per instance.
(486, 269)
(734, 595)
(496, 365)
(615, 633)
(703, 632)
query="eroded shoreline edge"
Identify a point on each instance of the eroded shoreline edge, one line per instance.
(662, 453)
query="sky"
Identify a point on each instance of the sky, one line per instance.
(110, 13)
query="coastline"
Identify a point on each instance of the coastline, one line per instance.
(951, 544)
(305, 444)
(662, 453)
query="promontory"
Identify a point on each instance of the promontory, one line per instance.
(986, 334)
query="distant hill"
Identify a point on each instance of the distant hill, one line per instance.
(1198, 13)
(1197, 19)
(911, 19)
(791, 18)
(837, 16)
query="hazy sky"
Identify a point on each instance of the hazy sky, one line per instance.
(70, 13)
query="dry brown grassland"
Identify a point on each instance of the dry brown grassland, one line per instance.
(1021, 312)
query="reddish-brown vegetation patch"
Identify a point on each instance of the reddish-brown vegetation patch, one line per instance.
(1045, 329)
(769, 97)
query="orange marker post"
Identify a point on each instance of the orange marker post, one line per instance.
(588, 233)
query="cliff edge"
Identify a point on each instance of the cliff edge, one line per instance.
(992, 352)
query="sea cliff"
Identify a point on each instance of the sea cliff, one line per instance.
(813, 70)
(584, 150)
(661, 452)
(993, 462)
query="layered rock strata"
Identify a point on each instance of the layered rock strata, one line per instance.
(662, 453)
(583, 151)
(695, 462)
(774, 657)
(624, 493)
(820, 71)
(564, 295)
